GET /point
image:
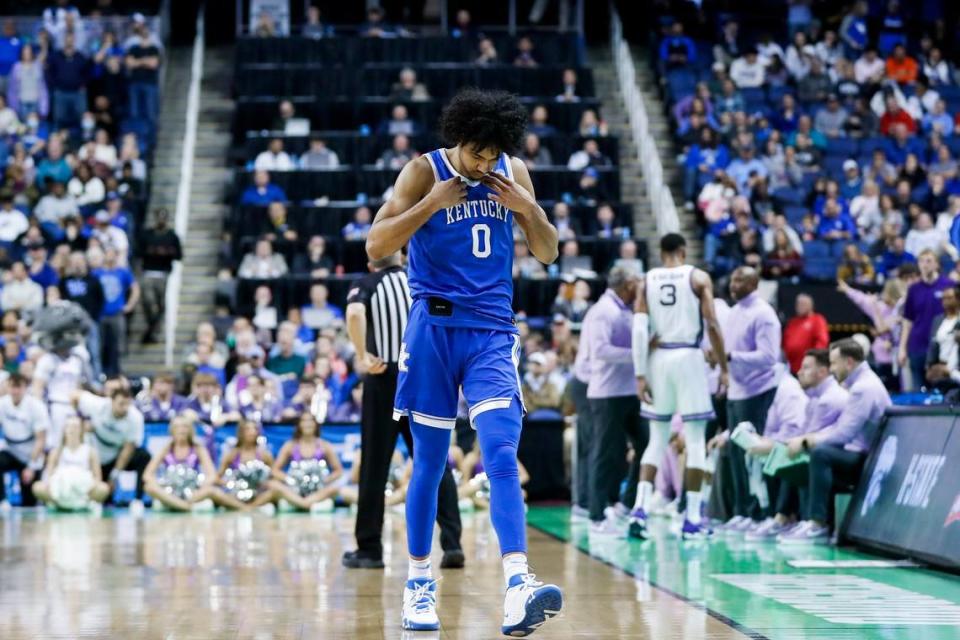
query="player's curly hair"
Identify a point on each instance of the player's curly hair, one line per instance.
(486, 119)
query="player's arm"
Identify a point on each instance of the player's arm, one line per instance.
(704, 289)
(640, 341)
(408, 209)
(518, 196)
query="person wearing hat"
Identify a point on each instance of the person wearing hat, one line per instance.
(542, 383)
(110, 236)
(852, 183)
(832, 119)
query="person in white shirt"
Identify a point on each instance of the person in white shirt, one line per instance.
(747, 72)
(72, 479)
(274, 158)
(20, 293)
(110, 236)
(925, 235)
(57, 376)
(24, 423)
(13, 223)
(869, 68)
(117, 428)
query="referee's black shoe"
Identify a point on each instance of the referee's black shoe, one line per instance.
(362, 560)
(453, 559)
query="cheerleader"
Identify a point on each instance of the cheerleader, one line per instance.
(309, 482)
(72, 479)
(395, 491)
(184, 456)
(244, 482)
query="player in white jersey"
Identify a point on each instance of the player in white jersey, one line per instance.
(671, 312)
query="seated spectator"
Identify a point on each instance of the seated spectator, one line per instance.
(86, 188)
(935, 69)
(314, 261)
(350, 410)
(589, 189)
(487, 53)
(573, 299)
(407, 89)
(539, 122)
(697, 102)
(398, 123)
(262, 192)
(894, 255)
(161, 404)
(20, 293)
(923, 100)
(900, 67)
(398, 155)
(13, 223)
(525, 57)
(606, 219)
(263, 263)
(279, 228)
(831, 120)
(543, 383)
(567, 228)
(130, 154)
(924, 235)
(319, 156)
(676, 49)
(797, 56)
(781, 164)
(286, 113)
(589, 156)
(747, 71)
(265, 314)
(320, 314)
(286, 363)
(865, 210)
(837, 452)
(376, 25)
(110, 236)
(806, 152)
(943, 163)
(569, 93)
(274, 158)
(524, 264)
(835, 224)
(40, 270)
(533, 154)
(783, 260)
(266, 26)
(744, 168)
(895, 117)
(359, 227)
(99, 152)
(855, 267)
(938, 120)
(729, 47)
(591, 126)
(54, 208)
(815, 86)
(55, 166)
(462, 26)
(703, 160)
(314, 27)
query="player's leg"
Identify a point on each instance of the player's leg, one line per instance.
(491, 386)
(696, 408)
(659, 413)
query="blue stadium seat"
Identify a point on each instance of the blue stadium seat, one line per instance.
(833, 165)
(953, 143)
(775, 94)
(836, 248)
(788, 196)
(818, 264)
(680, 83)
(816, 249)
(949, 92)
(843, 147)
(794, 214)
(751, 94)
(867, 145)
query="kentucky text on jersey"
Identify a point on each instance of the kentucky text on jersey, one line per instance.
(476, 209)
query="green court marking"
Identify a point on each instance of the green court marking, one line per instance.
(753, 585)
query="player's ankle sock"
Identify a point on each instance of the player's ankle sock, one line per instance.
(705, 490)
(419, 569)
(514, 564)
(694, 499)
(644, 492)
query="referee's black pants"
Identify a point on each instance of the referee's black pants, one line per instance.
(378, 439)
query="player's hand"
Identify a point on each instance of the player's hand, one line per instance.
(718, 441)
(372, 364)
(795, 446)
(448, 193)
(643, 391)
(508, 193)
(723, 384)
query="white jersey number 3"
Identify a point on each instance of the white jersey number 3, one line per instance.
(481, 240)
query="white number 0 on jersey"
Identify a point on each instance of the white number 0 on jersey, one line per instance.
(481, 240)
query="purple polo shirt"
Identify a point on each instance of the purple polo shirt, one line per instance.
(826, 404)
(606, 334)
(787, 414)
(581, 366)
(752, 339)
(923, 303)
(861, 414)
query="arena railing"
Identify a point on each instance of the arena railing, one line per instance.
(661, 200)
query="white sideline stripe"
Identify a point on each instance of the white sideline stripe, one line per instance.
(183, 189)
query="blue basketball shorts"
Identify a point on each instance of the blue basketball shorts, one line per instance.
(437, 361)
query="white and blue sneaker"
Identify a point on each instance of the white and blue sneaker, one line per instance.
(638, 525)
(528, 604)
(420, 605)
(692, 531)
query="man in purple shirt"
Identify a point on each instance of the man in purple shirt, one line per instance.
(752, 339)
(161, 404)
(922, 305)
(823, 402)
(606, 338)
(838, 451)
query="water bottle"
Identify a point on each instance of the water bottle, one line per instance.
(935, 397)
(11, 485)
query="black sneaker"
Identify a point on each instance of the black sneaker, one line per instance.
(453, 559)
(362, 560)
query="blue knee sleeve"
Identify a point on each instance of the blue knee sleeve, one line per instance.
(430, 447)
(499, 434)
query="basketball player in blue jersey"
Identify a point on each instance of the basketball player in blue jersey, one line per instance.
(456, 207)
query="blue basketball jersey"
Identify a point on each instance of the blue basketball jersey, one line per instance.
(464, 254)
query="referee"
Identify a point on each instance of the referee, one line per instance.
(377, 310)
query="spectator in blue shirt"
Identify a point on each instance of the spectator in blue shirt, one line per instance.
(938, 120)
(834, 224)
(853, 30)
(703, 160)
(262, 192)
(901, 144)
(121, 293)
(9, 52)
(894, 255)
(852, 183)
(677, 50)
(67, 73)
(39, 269)
(787, 116)
(359, 227)
(745, 167)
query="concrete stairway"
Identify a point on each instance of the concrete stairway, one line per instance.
(208, 209)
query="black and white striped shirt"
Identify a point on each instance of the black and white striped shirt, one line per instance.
(386, 296)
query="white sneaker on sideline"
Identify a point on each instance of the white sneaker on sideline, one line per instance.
(136, 508)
